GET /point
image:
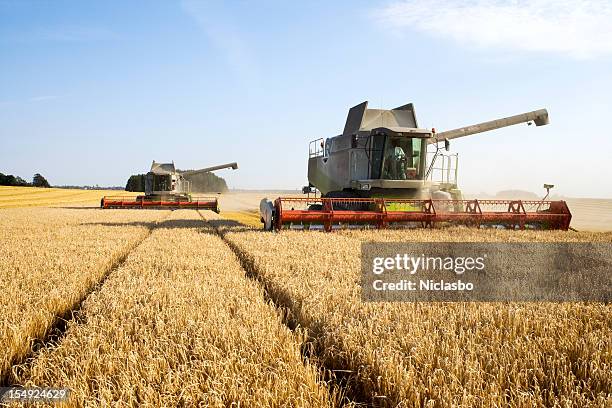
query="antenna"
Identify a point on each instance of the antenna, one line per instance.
(547, 187)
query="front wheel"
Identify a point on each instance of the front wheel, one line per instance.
(268, 225)
(266, 212)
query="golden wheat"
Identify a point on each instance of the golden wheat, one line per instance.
(435, 354)
(179, 324)
(12, 197)
(49, 260)
(248, 218)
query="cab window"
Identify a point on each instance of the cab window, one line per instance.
(402, 158)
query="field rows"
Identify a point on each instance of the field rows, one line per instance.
(427, 354)
(49, 260)
(179, 324)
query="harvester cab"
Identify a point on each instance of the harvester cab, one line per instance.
(380, 152)
(384, 170)
(167, 187)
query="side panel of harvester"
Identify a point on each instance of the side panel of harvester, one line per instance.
(330, 166)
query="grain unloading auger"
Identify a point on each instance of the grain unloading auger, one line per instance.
(166, 187)
(380, 173)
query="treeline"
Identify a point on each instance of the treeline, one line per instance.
(136, 182)
(37, 181)
(200, 183)
(207, 183)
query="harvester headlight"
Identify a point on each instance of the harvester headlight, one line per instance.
(365, 186)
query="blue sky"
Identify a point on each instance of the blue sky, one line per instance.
(91, 92)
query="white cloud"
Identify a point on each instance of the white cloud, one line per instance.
(578, 29)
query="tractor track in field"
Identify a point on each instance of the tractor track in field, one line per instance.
(61, 322)
(339, 377)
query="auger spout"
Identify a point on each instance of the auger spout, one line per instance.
(232, 165)
(539, 117)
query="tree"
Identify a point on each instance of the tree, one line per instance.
(206, 183)
(10, 180)
(21, 182)
(40, 181)
(7, 179)
(136, 183)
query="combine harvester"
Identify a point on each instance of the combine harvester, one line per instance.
(166, 187)
(380, 173)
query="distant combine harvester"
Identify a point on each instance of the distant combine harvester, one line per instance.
(167, 187)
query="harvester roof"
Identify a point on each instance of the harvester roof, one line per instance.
(360, 118)
(162, 168)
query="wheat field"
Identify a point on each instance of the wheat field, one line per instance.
(16, 197)
(186, 308)
(49, 259)
(178, 324)
(434, 354)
